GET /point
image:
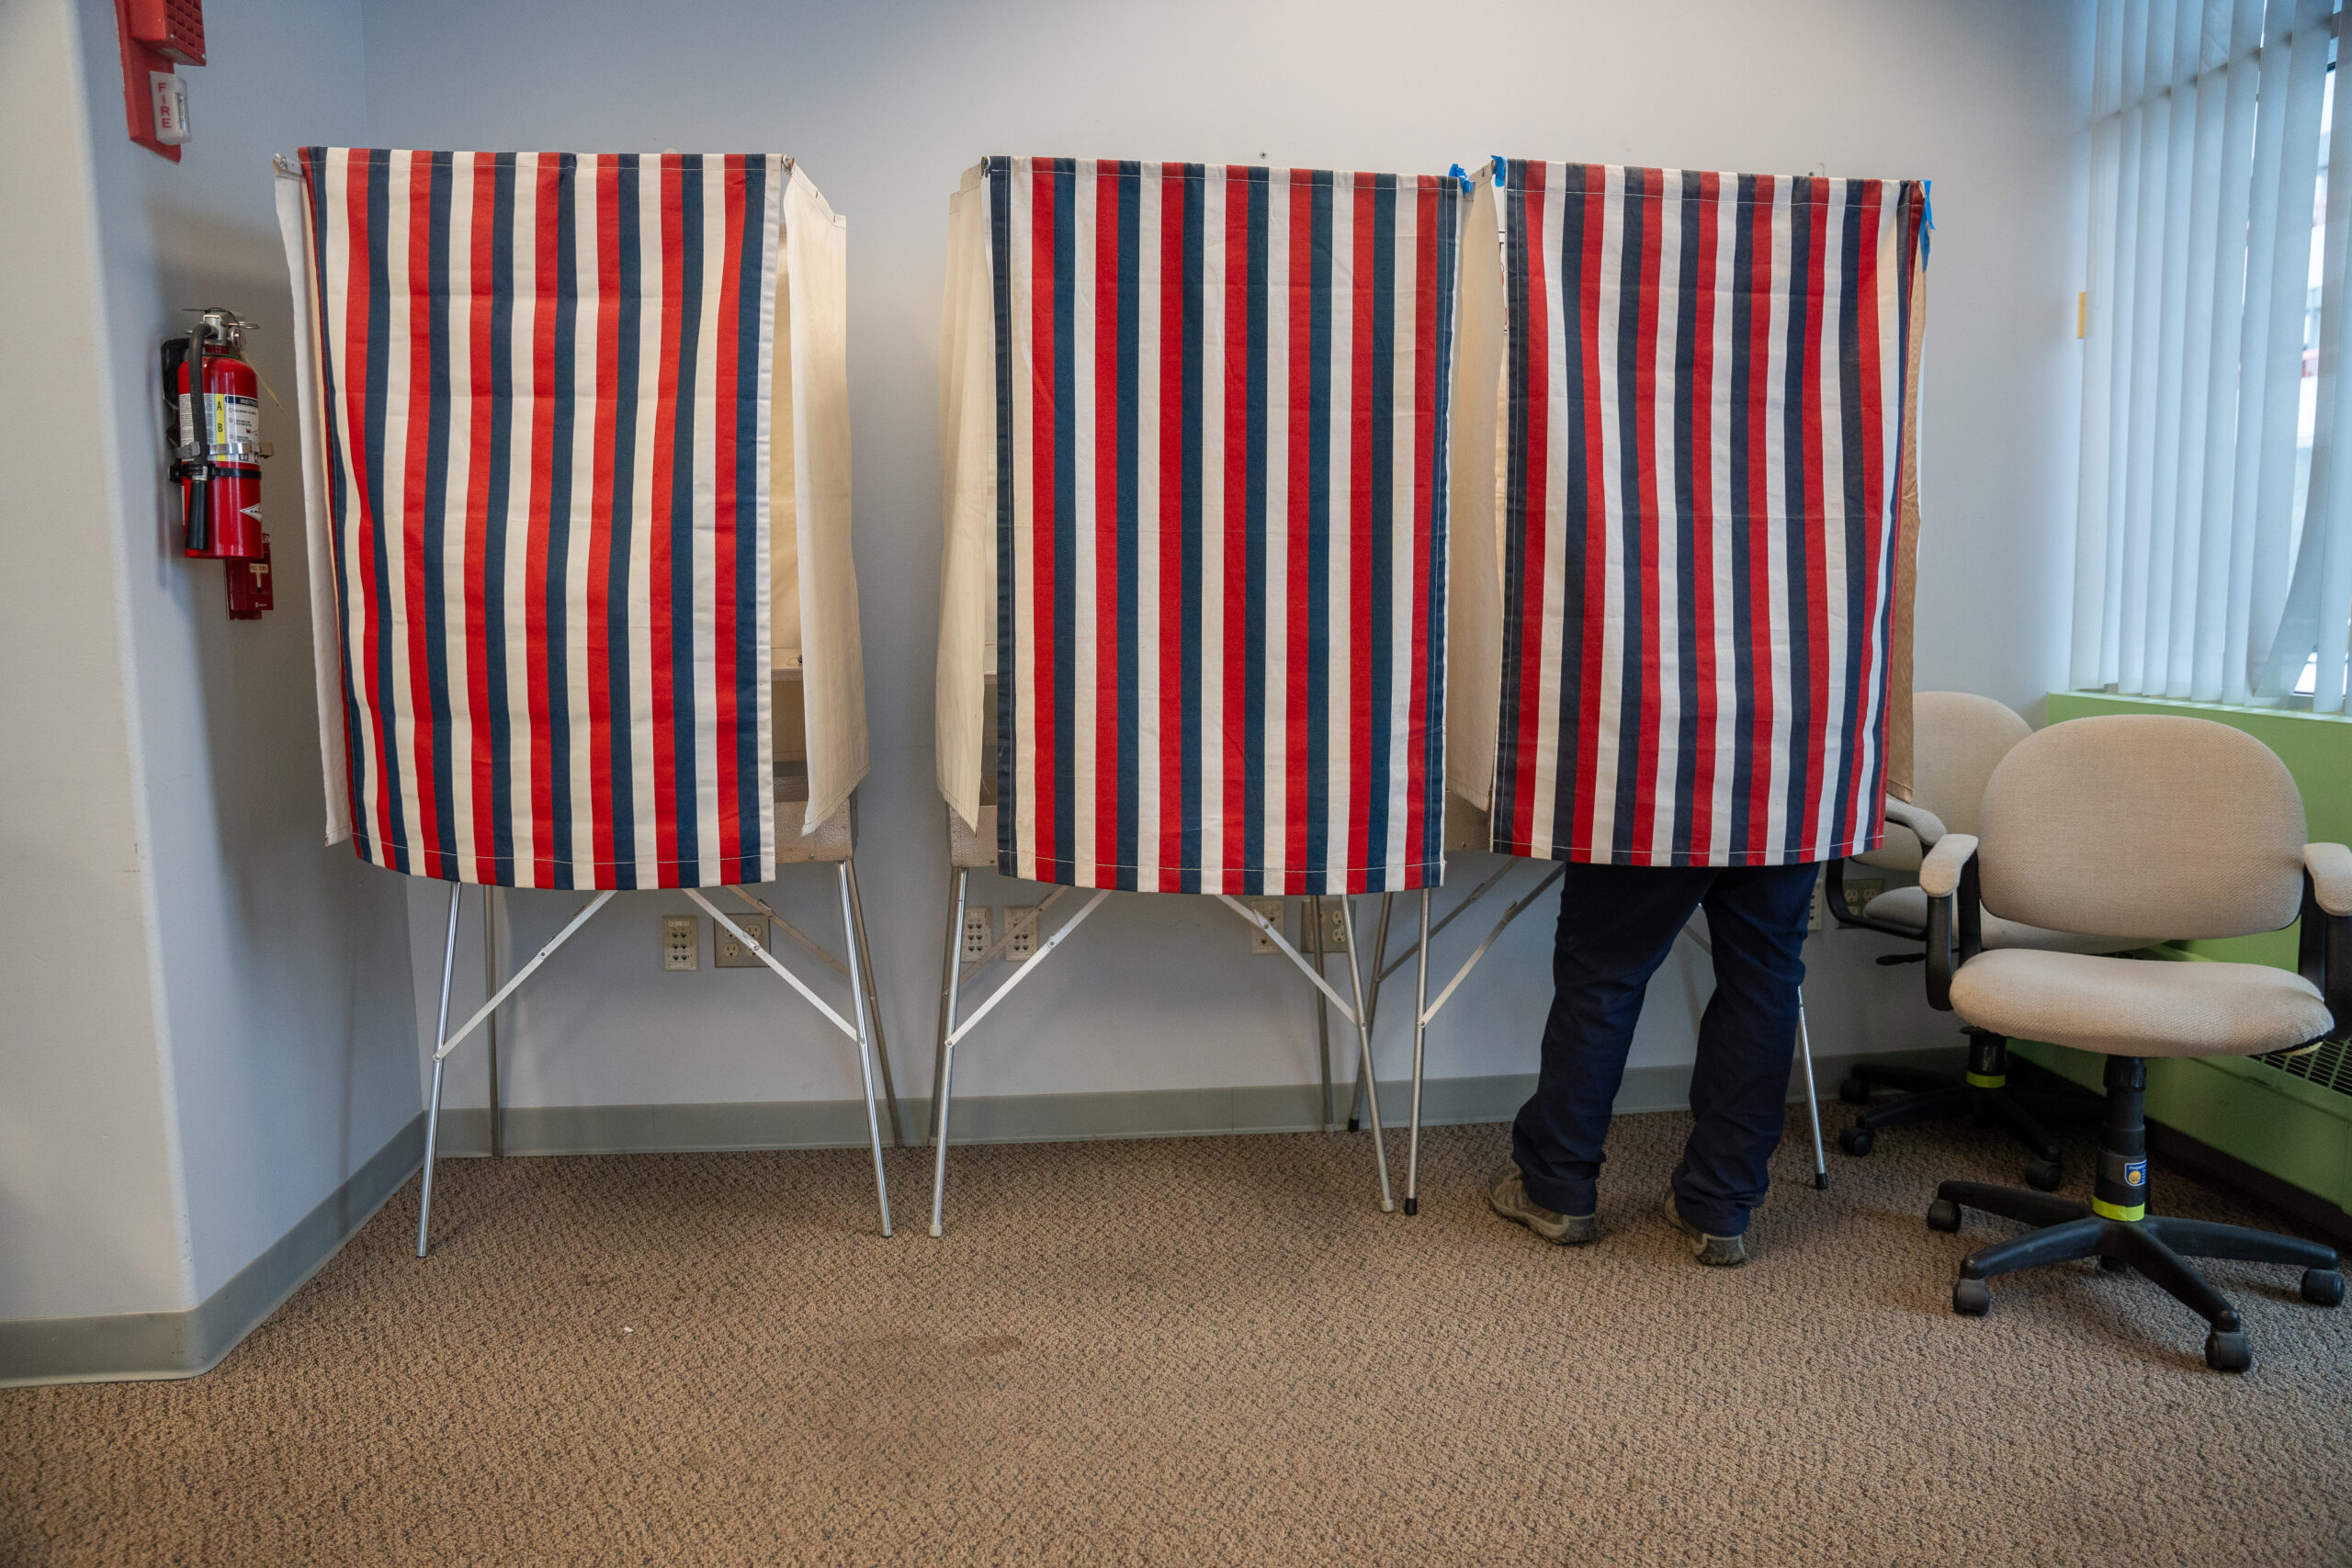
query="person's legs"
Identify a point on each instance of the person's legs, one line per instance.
(1755, 923)
(1616, 924)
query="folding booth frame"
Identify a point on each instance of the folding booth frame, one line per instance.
(810, 583)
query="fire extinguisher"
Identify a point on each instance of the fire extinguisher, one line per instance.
(213, 412)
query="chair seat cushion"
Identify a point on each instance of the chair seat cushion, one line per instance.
(2124, 1007)
(1907, 907)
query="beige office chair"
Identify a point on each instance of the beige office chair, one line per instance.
(1958, 739)
(2154, 826)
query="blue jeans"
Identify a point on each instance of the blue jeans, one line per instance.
(1617, 923)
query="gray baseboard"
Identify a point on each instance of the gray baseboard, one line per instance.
(181, 1344)
(126, 1347)
(1041, 1118)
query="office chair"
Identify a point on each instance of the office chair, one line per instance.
(2153, 826)
(1958, 740)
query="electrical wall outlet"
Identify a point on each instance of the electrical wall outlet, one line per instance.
(1272, 909)
(682, 941)
(1020, 932)
(1335, 927)
(1859, 892)
(732, 952)
(1820, 920)
(979, 931)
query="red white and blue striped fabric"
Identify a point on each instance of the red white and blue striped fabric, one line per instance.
(545, 386)
(1221, 399)
(1704, 397)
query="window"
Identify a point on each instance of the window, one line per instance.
(2214, 544)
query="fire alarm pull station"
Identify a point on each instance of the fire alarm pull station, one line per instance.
(157, 35)
(215, 419)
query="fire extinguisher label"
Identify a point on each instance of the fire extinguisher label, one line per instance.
(235, 422)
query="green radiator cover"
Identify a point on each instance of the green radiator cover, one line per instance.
(2291, 1117)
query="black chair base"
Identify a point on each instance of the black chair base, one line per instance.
(1982, 1094)
(2117, 1230)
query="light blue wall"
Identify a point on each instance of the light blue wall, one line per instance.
(218, 1031)
(278, 959)
(887, 104)
(90, 1191)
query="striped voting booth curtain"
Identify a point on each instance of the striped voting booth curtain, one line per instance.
(1704, 404)
(543, 382)
(1221, 415)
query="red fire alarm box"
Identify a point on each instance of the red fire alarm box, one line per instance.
(157, 35)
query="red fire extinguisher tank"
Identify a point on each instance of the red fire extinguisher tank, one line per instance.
(218, 447)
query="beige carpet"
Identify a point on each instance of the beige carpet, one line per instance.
(1205, 1350)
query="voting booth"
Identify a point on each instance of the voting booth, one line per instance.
(1686, 638)
(1194, 603)
(576, 470)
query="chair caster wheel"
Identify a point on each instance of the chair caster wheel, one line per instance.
(2113, 1265)
(2044, 1175)
(1856, 1141)
(2323, 1287)
(1943, 1214)
(1855, 1090)
(2228, 1352)
(1971, 1298)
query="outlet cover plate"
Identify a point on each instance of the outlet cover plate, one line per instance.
(1272, 909)
(681, 941)
(733, 954)
(1860, 891)
(979, 931)
(1020, 932)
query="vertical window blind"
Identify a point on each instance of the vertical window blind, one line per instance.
(2214, 545)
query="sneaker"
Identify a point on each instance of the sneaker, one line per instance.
(1714, 1251)
(1507, 1192)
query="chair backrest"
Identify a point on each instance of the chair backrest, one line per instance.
(2143, 825)
(1957, 740)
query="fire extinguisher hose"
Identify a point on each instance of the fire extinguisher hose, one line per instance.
(198, 521)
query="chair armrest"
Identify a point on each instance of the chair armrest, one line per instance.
(1955, 923)
(1923, 824)
(1840, 915)
(1939, 872)
(2324, 945)
(2327, 871)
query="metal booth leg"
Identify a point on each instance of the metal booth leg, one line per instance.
(1812, 1102)
(951, 966)
(864, 964)
(1420, 1037)
(1322, 1007)
(1363, 1051)
(943, 1076)
(490, 1028)
(432, 1114)
(864, 1058)
(1372, 1014)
